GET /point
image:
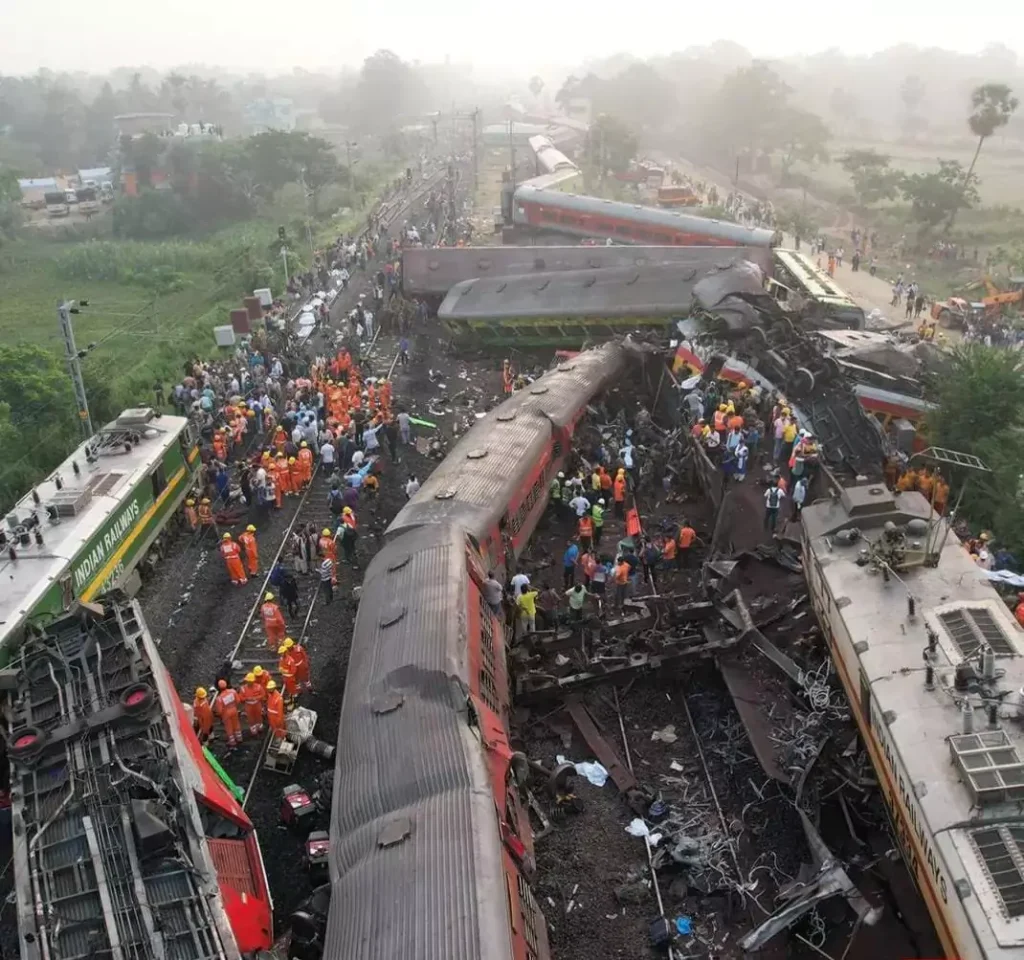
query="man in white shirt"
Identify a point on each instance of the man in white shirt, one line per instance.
(412, 486)
(327, 455)
(580, 504)
(519, 583)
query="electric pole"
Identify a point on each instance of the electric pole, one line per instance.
(64, 311)
(475, 117)
(284, 257)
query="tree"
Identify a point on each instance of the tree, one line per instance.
(993, 105)
(387, 89)
(873, 179)
(803, 136)
(935, 196)
(638, 95)
(744, 114)
(611, 143)
(912, 94)
(536, 85)
(142, 154)
(845, 107)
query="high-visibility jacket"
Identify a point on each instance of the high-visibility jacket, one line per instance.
(275, 713)
(252, 556)
(273, 622)
(669, 551)
(300, 662)
(556, 489)
(586, 526)
(719, 421)
(202, 714)
(686, 537)
(191, 516)
(286, 667)
(597, 515)
(595, 482)
(205, 514)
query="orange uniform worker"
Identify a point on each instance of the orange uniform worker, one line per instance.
(286, 667)
(252, 696)
(275, 710)
(190, 514)
(273, 621)
(619, 492)
(305, 459)
(687, 538)
(327, 546)
(226, 708)
(279, 441)
(252, 556)
(205, 512)
(220, 445)
(1019, 611)
(202, 715)
(295, 475)
(586, 530)
(300, 662)
(261, 676)
(232, 554)
(284, 475)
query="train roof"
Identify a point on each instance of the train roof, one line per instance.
(660, 290)
(474, 483)
(413, 825)
(435, 270)
(85, 501)
(549, 156)
(968, 788)
(109, 851)
(734, 232)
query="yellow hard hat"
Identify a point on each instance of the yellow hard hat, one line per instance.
(250, 678)
(257, 671)
(288, 643)
(347, 510)
(268, 596)
(227, 536)
(743, 384)
(271, 685)
(786, 411)
(291, 459)
(326, 532)
(721, 407)
(303, 444)
(190, 502)
(200, 693)
(206, 499)
(281, 650)
(250, 529)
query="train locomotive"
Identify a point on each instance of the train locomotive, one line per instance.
(432, 850)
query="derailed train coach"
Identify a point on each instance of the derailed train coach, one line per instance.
(432, 851)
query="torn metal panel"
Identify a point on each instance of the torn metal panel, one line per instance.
(746, 694)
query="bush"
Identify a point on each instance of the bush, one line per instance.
(152, 215)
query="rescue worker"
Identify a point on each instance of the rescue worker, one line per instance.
(907, 482)
(225, 707)
(205, 512)
(597, 515)
(275, 710)
(284, 477)
(220, 445)
(202, 715)
(327, 546)
(261, 676)
(1019, 611)
(190, 515)
(252, 696)
(248, 544)
(273, 621)
(232, 555)
(300, 661)
(305, 459)
(619, 492)
(348, 535)
(586, 530)
(295, 475)
(687, 538)
(286, 667)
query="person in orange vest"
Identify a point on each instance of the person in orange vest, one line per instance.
(371, 398)
(190, 514)
(507, 377)
(273, 621)
(327, 546)
(202, 715)
(305, 459)
(286, 667)
(225, 706)
(252, 556)
(687, 538)
(586, 529)
(295, 475)
(237, 429)
(268, 419)
(220, 445)
(205, 512)
(720, 418)
(252, 695)
(300, 661)
(385, 394)
(280, 440)
(275, 710)
(606, 481)
(619, 492)
(232, 555)
(668, 550)
(261, 676)
(283, 473)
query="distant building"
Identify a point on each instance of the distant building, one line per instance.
(269, 113)
(97, 174)
(135, 124)
(34, 189)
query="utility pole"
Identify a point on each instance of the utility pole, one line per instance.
(64, 310)
(476, 117)
(284, 257)
(512, 151)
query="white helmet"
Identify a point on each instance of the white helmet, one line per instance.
(600, 502)
(561, 475)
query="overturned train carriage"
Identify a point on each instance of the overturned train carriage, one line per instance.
(432, 850)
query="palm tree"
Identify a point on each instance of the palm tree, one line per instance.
(994, 104)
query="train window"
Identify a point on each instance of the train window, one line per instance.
(489, 690)
(1000, 848)
(159, 478)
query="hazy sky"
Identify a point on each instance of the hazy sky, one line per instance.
(276, 36)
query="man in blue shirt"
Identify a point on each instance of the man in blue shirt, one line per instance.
(569, 558)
